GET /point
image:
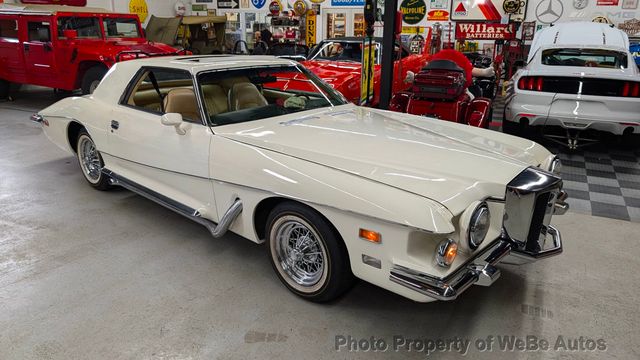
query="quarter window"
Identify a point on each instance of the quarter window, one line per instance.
(8, 29)
(163, 91)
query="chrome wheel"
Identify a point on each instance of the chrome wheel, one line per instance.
(299, 253)
(89, 159)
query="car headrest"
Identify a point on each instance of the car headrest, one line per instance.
(182, 101)
(245, 96)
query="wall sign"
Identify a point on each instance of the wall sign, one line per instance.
(347, 2)
(413, 11)
(439, 4)
(228, 4)
(629, 4)
(438, 15)
(631, 27)
(139, 7)
(275, 7)
(488, 10)
(607, 3)
(258, 4)
(580, 4)
(602, 20)
(310, 26)
(549, 11)
(485, 31)
(300, 7)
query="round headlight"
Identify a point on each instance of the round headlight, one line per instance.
(479, 225)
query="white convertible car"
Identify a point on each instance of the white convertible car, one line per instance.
(261, 147)
(579, 76)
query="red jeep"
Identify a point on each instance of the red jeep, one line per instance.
(66, 47)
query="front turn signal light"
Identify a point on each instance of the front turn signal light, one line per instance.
(447, 252)
(370, 235)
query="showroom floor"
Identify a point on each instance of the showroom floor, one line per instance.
(110, 275)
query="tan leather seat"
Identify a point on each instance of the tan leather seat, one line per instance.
(182, 101)
(215, 99)
(245, 96)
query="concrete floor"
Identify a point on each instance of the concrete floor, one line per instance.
(93, 275)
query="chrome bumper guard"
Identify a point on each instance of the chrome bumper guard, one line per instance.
(479, 270)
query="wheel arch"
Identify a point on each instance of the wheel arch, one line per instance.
(73, 130)
(265, 206)
(83, 67)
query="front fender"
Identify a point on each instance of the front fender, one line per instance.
(239, 168)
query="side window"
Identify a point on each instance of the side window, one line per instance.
(164, 91)
(39, 31)
(8, 29)
(86, 27)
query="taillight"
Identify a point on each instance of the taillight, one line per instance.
(531, 83)
(631, 89)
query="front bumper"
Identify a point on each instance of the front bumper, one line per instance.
(479, 270)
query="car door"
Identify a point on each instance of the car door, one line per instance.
(11, 56)
(170, 160)
(38, 52)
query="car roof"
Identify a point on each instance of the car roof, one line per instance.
(48, 9)
(583, 34)
(198, 63)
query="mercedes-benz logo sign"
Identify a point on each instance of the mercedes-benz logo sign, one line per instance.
(549, 11)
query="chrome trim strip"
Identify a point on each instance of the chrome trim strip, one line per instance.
(480, 270)
(216, 230)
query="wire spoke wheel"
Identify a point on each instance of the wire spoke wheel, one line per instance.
(89, 159)
(299, 253)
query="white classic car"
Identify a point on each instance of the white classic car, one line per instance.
(578, 76)
(261, 147)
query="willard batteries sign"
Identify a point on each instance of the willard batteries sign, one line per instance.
(484, 31)
(413, 11)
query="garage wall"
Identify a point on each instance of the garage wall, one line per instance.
(615, 13)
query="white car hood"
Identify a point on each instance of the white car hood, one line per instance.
(436, 159)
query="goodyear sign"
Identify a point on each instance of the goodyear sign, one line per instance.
(413, 11)
(366, 78)
(310, 26)
(139, 7)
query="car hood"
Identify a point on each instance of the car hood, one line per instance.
(142, 46)
(442, 161)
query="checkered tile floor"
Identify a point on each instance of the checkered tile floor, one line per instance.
(602, 179)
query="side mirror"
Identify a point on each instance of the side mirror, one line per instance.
(175, 120)
(70, 34)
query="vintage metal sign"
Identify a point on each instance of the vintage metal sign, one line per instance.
(413, 11)
(139, 7)
(631, 27)
(629, 4)
(484, 31)
(488, 10)
(310, 26)
(368, 66)
(438, 15)
(607, 3)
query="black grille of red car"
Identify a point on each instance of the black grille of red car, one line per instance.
(580, 86)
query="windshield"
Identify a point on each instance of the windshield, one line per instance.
(585, 58)
(86, 27)
(340, 51)
(236, 96)
(121, 27)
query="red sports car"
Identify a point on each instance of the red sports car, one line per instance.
(338, 62)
